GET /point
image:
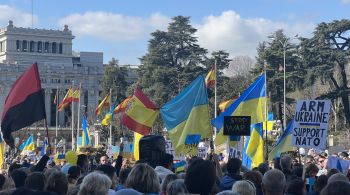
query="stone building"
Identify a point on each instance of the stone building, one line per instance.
(58, 68)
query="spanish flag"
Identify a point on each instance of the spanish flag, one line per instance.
(24, 105)
(250, 103)
(123, 105)
(210, 79)
(105, 103)
(28, 145)
(225, 104)
(76, 95)
(66, 100)
(187, 118)
(140, 114)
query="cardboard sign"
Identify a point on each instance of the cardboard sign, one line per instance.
(311, 123)
(169, 148)
(202, 152)
(237, 125)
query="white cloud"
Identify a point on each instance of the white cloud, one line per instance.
(345, 1)
(240, 36)
(19, 17)
(114, 27)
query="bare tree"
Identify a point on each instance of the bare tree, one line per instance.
(240, 65)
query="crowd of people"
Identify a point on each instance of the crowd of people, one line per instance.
(285, 176)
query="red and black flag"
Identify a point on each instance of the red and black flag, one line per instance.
(24, 105)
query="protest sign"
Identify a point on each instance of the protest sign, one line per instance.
(170, 150)
(202, 152)
(237, 125)
(311, 123)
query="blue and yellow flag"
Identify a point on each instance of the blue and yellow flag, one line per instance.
(187, 119)
(250, 103)
(255, 147)
(86, 132)
(1, 151)
(270, 122)
(43, 149)
(28, 145)
(109, 116)
(283, 144)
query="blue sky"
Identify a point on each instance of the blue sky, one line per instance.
(121, 28)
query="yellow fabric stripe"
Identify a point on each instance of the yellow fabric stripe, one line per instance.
(139, 113)
(269, 125)
(196, 123)
(29, 147)
(255, 149)
(137, 138)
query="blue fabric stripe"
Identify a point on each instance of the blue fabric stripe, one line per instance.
(255, 90)
(285, 133)
(178, 109)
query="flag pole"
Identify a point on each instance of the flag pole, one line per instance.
(78, 125)
(57, 100)
(110, 125)
(266, 112)
(47, 135)
(73, 141)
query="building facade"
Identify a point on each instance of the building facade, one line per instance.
(58, 68)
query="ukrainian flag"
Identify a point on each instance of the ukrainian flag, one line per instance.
(283, 144)
(270, 122)
(109, 116)
(1, 151)
(86, 132)
(250, 103)
(137, 138)
(28, 145)
(187, 119)
(255, 147)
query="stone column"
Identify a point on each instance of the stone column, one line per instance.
(48, 105)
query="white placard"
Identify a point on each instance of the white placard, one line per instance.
(311, 123)
(202, 152)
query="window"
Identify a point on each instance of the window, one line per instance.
(46, 47)
(17, 45)
(54, 47)
(31, 46)
(40, 46)
(24, 46)
(60, 48)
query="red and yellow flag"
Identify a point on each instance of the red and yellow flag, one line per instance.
(123, 105)
(140, 113)
(210, 79)
(225, 104)
(55, 99)
(76, 95)
(66, 100)
(105, 103)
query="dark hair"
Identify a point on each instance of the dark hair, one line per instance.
(13, 167)
(296, 186)
(320, 183)
(58, 183)
(169, 178)
(298, 171)
(331, 172)
(18, 176)
(35, 181)
(276, 163)
(263, 167)
(2, 181)
(255, 177)
(234, 165)
(123, 175)
(336, 188)
(82, 158)
(74, 172)
(107, 169)
(166, 160)
(200, 177)
(311, 168)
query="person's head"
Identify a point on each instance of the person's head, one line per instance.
(109, 171)
(169, 178)
(227, 192)
(94, 184)
(13, 167)
(311, 170)
(344, 155)
(83, 162)
(167, 161)
(321, 161)
(276, 163)
(298, 171)
(176, 187)
(57, 183)
(2, 181)
(263, 168)
(244, 187)
(18, 177)
(320, 183)
(296, 187)
(286, 163)
(143, 179)
(254, 176)
(35, 181)
(337, 177)
(331, 172)
(200, 177)
(273, 182)
(74, 172)
(233, 166)
(104, 160)
(309, 159)
(123, 175)
(336, 188)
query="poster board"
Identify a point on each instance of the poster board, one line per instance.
(237, 125)
(311, 123)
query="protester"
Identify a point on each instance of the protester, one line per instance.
(143, 179)
(104, 160)
(176, 187)
(244, 187)
(200, 177)
(95, 184)
(83, 163)
(233, 174)
(273, 182)
(322, 162)
(287, 167)
(256, 178)
(73, 175)
(296, 187)
(18, 177)
(35, 181)
(338, 177)
(123, 175)
(263, 168)
(321, 182)
(57, 183)
(165, 166)
(336, 188)
(169, 178)
(110, 172)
